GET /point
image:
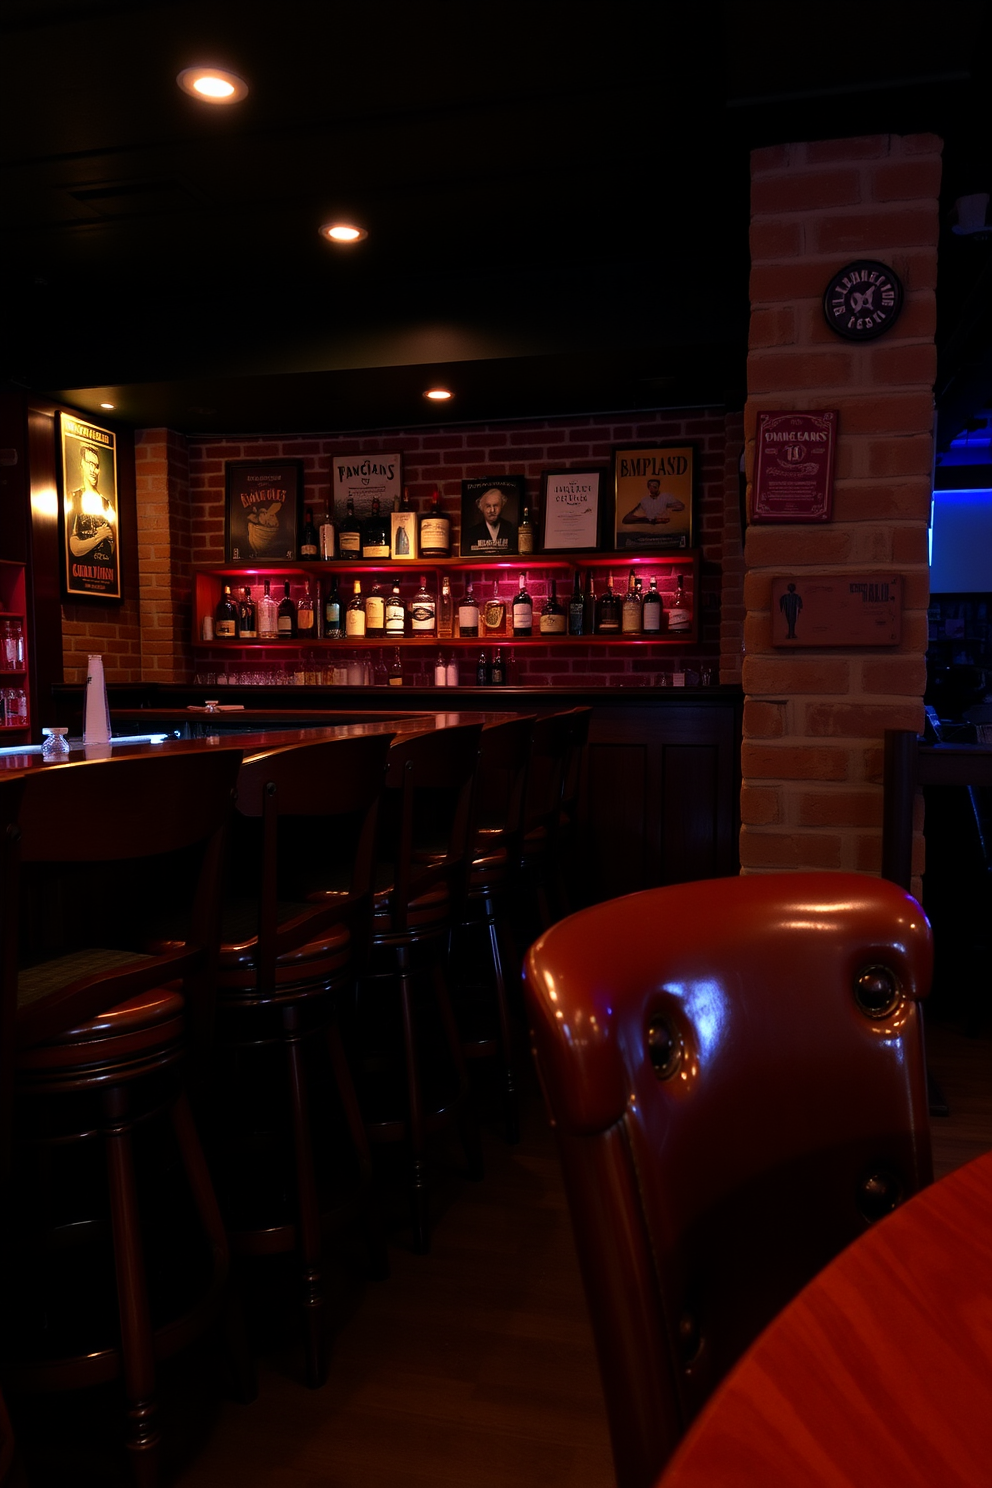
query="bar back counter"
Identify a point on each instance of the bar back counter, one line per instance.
(660, 793)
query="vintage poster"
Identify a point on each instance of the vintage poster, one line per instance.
(363, 476)
(794, 467)
(262, 510)
(837, 610)
(90, 529)
(653, 491)
(492, 506)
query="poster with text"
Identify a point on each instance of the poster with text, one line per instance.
(262, 510)
(362, 477)
(653, 491)
(90, 529)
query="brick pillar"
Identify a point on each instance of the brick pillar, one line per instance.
(732, 564)
(814, 719)
(164, 554)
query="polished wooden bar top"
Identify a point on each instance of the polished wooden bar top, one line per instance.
(879, 1372)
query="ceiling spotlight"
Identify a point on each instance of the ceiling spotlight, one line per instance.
(438, 395)
(212, 84)
(106, 405)
(343, 232)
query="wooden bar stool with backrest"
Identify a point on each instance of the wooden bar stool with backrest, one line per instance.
(304, 810)
(734, 1069)
(100, 1031)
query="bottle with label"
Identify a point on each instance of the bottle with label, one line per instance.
(523, 610)
(576, 609)
(525, 533)
(268, 626)
(608, 610)
(494, 614)
(630, 615)
(680, 615)
(375, 612)
(652, 609)
(226, 617)
(445, 611)
(308, 537)
(435, 530)
(553, 613)
(423, 619)
(440, 671)
(396, 670)
(375, 533)
(354, 616)
(327, 538)
(332, 612)
(350, 535)
(306, 614)
(589, 606)
(394, 614)
(247, 616)
(482, 671)
(468, 613)
(497, 675)
(286, 615)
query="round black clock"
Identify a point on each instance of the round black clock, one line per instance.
(862, 300)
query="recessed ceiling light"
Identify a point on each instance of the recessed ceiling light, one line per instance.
(438, 395)
(212, 84)
(106, 405)
(343, 232)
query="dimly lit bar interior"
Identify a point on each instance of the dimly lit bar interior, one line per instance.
(496, 745)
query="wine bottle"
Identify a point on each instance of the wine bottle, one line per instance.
(268, 624)
(608, 610)
(445, 611)
(630, 615)
(552, 613)
(494, 614)
(226, 617)
(423, 618)
(396, 670)
(435, 530)
(286, 614)
(468, 613)
(350, 535)
(525, 533)
(375, 533)
(652, 609)
(589, 606)
(354, 619)
(576, 608)
(482, 671)
(247, 616)
(375, 611)
(497, 675)
(332, 612)
(523, 610)
(306, 614)
(680, 615)
(395, 614)
(327, 538)
(308, 538)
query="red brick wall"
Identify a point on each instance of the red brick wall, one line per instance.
(165, 553)
(814, 720)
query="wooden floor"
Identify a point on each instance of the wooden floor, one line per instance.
(471, 1366)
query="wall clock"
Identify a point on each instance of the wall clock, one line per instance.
(862, 300)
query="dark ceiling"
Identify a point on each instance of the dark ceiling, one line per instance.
(555, 193)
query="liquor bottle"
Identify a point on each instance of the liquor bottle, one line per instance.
(226, 617)
(308, 538)
(680, 615)
(497, 675)
(576, 609)
(440, 671)
(395, 614)
(523, 610)
(247, 616)
(525, 533)
(482, 671)
(435, 530)
(327, 537)
(589, 606)
(350, 535)
(375, 533)
(652, 609)
(608, 610)
(552, 614)
(306, 614)
(468, 613)
(396, 670)
(423, 619)
(286, 614)
(268, 625)
(494, 614)
(630, 615)
(375, 611)
(445, 611)
(332, 612)
(354, 615)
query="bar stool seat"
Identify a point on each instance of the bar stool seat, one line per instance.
(324, 956)
(148, 1025)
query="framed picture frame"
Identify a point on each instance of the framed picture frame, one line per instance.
(361, 477)
(262, 510)
(88, 516)
(653, 496)
(571, 506)
(492, 506)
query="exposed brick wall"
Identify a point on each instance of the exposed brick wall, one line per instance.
(814, 720)
(732, 603)
(165, 553)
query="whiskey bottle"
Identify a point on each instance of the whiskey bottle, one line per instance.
(332, 612)
(680, 615)
(552, 614)
(525, 533)
(630, 615)
(494, 614)
(327, 538)
(395, 614)
(435, 530)
(286, 615)
(308, 538)
(375, 533)
(651, 610)
(523, 610)
(306, 614)
(354, 618)
(375, 612)
(396, 670)
(247, 616)
(608, 610)
(268, 625)
(423, 619)
(468, 613)
(350, 536)
(576, 609)
(445, 611)
(589, 606)
(497, 675)
(226, 617)
(482, 671)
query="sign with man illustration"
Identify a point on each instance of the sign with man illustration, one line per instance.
(653, 491)
(90, 535)
(837, 610)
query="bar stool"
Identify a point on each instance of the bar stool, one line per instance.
(284, 961)
(98, 1029)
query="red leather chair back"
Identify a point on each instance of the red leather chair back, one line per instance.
(735, 1071)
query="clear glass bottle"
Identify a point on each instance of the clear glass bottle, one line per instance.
(226, 617)
(375, 611)
(435, 530)
(375, 533)
(423, 611)
(608, 610)
(680, 615)
(630, 614)
(652, 609)
(327, 538)
(247, 616)
(525, 533)
(440, 670)
(350, 534)
(268, 627)
(306, 614)
(576, 608)
(395, 614)
(523, 610)
(308, 537)
(468, 613)
(332, 612)
(552, 613)
(445, 611)
(354, 618)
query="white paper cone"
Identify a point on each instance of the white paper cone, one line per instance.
(96, 714)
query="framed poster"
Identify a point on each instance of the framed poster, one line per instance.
(363, 476)
(794, 467)
(492, 506)
(837, 610)
(90, 530)
(262, 510)
(570, 510)
(653, 489)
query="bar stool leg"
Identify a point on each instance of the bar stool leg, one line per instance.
(308, 1213)
(467, 1125)
(510, 1106)
(418, 1188)
(375, 1244)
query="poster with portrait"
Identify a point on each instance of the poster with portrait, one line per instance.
(653, 488)
(262, 510)
(492, 506)
(89, 525)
